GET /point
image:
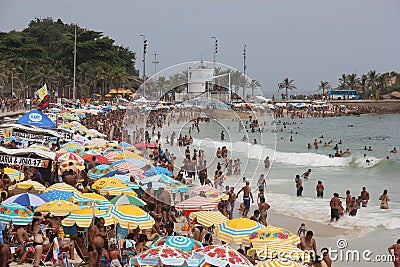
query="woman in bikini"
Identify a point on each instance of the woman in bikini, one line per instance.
(38, 219)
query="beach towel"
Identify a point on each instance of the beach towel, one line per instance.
(56, 251)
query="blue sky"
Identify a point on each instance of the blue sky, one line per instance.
(307, 41)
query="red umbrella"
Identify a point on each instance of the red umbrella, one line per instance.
(144, 145)
(99, 158)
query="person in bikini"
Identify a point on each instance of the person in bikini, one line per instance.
(396, 253)
(263, 207)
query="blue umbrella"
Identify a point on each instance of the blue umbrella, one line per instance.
(157, 170)
(26, 200)
(57, 195)
(182, 242)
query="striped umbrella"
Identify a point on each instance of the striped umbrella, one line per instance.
(236, 230)
(221, 256)
(196, 203)
(280, 251)
(117, 191)
(164, 254)
(92, 152)
(271, 234)
(26, 200)
(86, 200)
(14, 174)
(28, 185)
(69, 156)
(131, 217)
(127, 200)
(182, 242)
(130, 155)
(208, 218)
(56, 195)
(58, 207)
(137, 162)
(15, 213)
(72, 146)
(128, 167)
(124, 178)
(111, 155)
(280, 263)
(62, 187)
(84, 217)
(102, 170)
(215, 196)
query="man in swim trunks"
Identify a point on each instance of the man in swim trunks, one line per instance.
(165, 198)
(96, 242)
(299, 186)
(246, 198)
(364, 197)
(335, 204)
(396, 253)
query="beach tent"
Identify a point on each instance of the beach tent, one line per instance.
(36, 118)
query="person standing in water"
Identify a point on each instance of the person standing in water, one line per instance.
(306, 174)
(384, 198)
(320, 189)
(246, 198)
(364, 197)
(299, 186)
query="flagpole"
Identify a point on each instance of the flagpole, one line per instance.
(74, 87)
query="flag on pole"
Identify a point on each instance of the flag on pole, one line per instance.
(44, 97)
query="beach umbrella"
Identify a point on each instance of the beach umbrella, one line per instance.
(70, 117)
(62, 187)
(196, 204)
(221, 256)
(111, 155)
(86, 200)
(26, 200)
(203, 188)
(131, 217)
(58, 207)
(128, 167)
(109, 181)
(102, 170)
(26, 185)
(208, 217)
(15, 213)
(280, 251)
(91, 152)
(129, 154)
(173, 185)
(65, 165)
(69, 156)
(14, 174)
(236, 230)
(124, 178)
(72, 147)
(271, 234)
(158, 170)
(164, 254)
(100, 159)
(127, 200)
(84, 217)
(137, 162)
(181, 242)
(280, 263)
(216, 196)
(143, 145)
(56, 195)
(117, 191)
(125, 145)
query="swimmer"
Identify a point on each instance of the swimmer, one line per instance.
(394, 150)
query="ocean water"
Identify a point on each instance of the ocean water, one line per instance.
(289, 158)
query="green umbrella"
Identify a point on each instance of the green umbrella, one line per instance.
(125, 199)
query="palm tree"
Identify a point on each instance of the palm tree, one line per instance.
(243, 83)
(287, 85)
(323, 86)
(372, 79)
(363, 83)
(343, 82)
(253, 85)
(352, 81)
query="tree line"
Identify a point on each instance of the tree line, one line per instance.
(44, 53)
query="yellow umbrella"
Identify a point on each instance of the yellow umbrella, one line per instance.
(129, 155)
(27, 185)
(108, 181)
(84, 217)
(131, 217)
(62, 187)
(271, 234)
(280, 263)
(58, 207)
(236, 230)
(216, 196)
(280, 251)
(65, 165)
(117, 191)
(208, 218)
(15, 175)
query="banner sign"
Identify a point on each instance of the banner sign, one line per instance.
(34, 138)
(67, 136)
(12, 160)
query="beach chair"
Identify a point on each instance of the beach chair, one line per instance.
(84, 259)
(45, 258)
